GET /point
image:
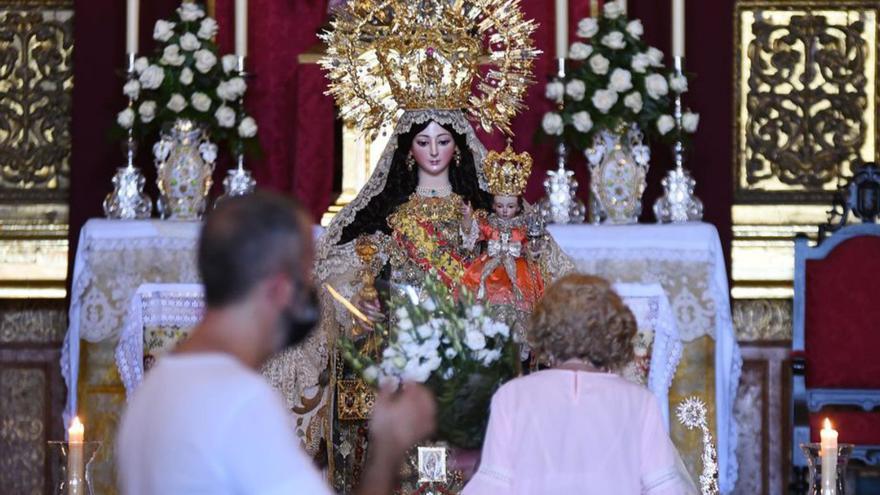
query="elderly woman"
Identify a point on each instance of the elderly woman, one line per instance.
(578, 427)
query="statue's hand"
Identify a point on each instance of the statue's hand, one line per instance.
(372, 309)
(467, 216)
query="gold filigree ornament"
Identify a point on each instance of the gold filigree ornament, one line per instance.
(388, 56)
(508, 172)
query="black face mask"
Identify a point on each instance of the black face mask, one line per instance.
(300, 320)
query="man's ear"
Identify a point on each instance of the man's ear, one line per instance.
(279, 289)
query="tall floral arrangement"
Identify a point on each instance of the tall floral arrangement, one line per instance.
(615, 78)
(452, 344)
(186, 78)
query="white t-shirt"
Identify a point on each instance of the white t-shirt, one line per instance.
(206, 424)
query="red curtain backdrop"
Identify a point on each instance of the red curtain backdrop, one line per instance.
(297, 129)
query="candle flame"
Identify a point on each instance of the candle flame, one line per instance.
(76, 424)
(827, 424)
(348, 305)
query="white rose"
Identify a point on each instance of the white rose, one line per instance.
(656, 57)
(189, 42)
(247, 128)
(554, 90)
(147, 111)
(125, 118)
(141, 64)
(635, 29)
(225, 92)
(230, 63)
(208, 152)
(582, 121)
(132, 89)
(575, 89)
(552, 123)
(621, 80)
(690, 121)
(200, 101)
(208, 28)
(226, 118)
(656, 86)
(613, 10)
(190, 12)
(163, 31)
(599, 64)
(633, 101)
(579, 51)
(588, 27)
(640, 62)
(604, 99)
(177, 103)
(614, 40)
(186, 76)
(171, 56)
(665, 124)
(237, 86)
(205, 60)
(152, 77)
(678, 83)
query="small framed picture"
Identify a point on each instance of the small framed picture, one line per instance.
(432, 465)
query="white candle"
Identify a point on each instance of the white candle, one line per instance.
(241, 16)
(561, 28)
(623, 5)
(75, 479)
(828, 451)
(131, 26)
(678, 28)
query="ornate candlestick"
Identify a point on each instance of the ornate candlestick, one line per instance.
(678, 203)
(239, 181)
(127, 200)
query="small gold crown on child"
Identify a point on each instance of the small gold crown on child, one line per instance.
(508, 172)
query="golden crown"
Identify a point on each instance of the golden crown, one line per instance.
(507, 173)
(384, 56)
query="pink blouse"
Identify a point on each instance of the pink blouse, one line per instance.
(574, 432)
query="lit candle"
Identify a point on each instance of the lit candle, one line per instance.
(561, 28)
(828, 452)
(131, 26)
(75, 478)
(241, 27)
(678, 28)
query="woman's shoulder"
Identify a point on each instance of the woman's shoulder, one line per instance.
(550, 379)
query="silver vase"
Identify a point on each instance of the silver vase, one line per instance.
(185, 159)
(618, 162)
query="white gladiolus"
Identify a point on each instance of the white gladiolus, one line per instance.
(475, 340)
(226, 118)
(207, 29)
(230, 62)
(665, 124)
(633, 101)
(575, 89)
(171, 56)
(186, 76)
(248, 129)
(552, 124)
(614, 40)
(190, 12)
(177, 103)
(147, 111)
(189, 42)
(656, 86)
(125, 118)
(579, 51)
(613, 10)
(640, 62)
(621, 80)
(599, 64)
(582, 121)
(132, 89)
(141, 64)
(690, 121)
(200, 101)
(604, 99)
(588, 27)
(656, 57)
(371, 374)
(554, 90)
(205, 60)
(152, 77)
(635, 28)
(450, 353)
(678, 83)
(163, 31)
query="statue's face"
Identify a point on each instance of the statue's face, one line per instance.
(506, 206)
(432, 149)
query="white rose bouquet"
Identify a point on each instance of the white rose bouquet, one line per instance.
(186, 78)
(615, 78)
(450, 343)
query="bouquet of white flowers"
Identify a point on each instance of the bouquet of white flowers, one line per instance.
(616, 79)
(451, 344)
(186, 79)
